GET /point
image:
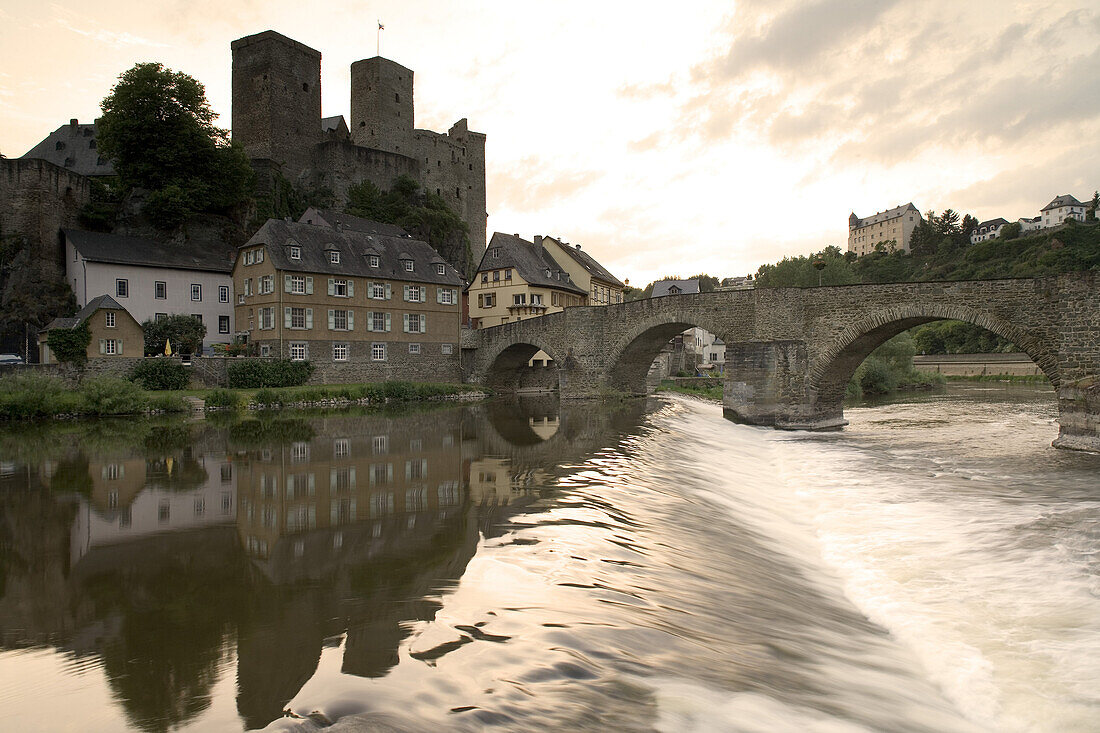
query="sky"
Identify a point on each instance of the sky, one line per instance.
(666, 139)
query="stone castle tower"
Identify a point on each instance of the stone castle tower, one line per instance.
(277, 118)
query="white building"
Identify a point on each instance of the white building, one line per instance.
(891, 228)
(1061, 208)
(1030, 225)
(153, 280)
(987, 230)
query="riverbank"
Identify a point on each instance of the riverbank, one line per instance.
(28, 397)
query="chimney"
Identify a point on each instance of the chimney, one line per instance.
(73, 122)
(578, 246)
(538, 240)
(339, 226)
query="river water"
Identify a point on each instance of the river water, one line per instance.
(520, 566)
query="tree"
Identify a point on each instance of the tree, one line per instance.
(32, 293)
(185, 332)
(969, 224)
(947, 223)
(1011, 230)
(1094, 207)
(158, 129)
(707, 283)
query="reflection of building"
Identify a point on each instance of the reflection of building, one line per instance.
(330, 481)
(136, 497)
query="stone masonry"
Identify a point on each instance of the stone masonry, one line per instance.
(791, 351)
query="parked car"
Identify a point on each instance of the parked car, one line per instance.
(11, 359)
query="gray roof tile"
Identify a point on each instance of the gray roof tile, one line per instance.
(531, 263)
(124, 250)
(70, 146)
(662, 287)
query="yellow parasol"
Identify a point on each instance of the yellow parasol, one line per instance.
(167, 347)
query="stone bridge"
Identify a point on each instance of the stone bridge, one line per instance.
(790, 352)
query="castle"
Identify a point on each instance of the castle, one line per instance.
(277, 118)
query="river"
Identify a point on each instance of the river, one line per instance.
(525, 566)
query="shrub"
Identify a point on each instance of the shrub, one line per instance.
(33, 395)
(222, 398)
(70, 345)
(112, 396)
(160, 374)
(167, 403)
(876, 377)
(185, 332)
(269, 398)
(255, 373)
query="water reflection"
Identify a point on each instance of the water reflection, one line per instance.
(176, 554)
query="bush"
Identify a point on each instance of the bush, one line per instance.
(33, 395)
(268, 398)
(874, 376)
(167, 403)
(112, 396)
(185, 332)
(222, 398)
(255, 373)
(160, 374)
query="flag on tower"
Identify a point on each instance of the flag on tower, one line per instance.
(380, 26)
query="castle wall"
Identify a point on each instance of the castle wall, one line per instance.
(277, 100)
(38, 199)
(381, 104)
(338, 165)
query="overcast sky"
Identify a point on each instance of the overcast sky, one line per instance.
(667, 139)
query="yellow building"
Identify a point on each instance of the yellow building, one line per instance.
(891, 228)
(114, 331)
(603, 288)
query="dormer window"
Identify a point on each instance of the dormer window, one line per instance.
(441, 269)
(373, 260)
(408, 265)
(334, 257)
(548, 273)
(295, 253)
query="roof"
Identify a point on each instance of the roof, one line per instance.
(123, 250)
(336, 219)
(1062, 200)
(854, 222)
(588, 262)
(531, 263)
(317, 241)
(328, 124)
(71, 146)
(662, 287)
(103, 301)
(998, 222)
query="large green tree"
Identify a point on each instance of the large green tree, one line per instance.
(186, 333)
(158, 129)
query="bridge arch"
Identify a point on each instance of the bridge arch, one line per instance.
(632, 353)
(834, 362)
(505, 366)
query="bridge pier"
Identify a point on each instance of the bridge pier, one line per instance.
(1079, 415)
(767, 383)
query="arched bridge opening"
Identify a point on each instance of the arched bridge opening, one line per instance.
(511, 371)
(632, 357)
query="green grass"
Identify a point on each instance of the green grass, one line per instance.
(710, 393)
(1010, 378)
(372, 392)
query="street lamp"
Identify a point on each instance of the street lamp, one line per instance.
(819, 265)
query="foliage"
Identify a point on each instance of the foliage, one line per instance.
(256, 373)
(185, 332)
(222, 398)
(28, 396)
(167, 403)
(800, 271)
(160, 374)
(421, 213)
(707, 283)
(32, 290)
(268, 398)
(70, 345)
(1094, 207)
(890, 367)
(158, 129)
(1012, 230)
(958, 337)
(112, 396)
(285, 199)
(103, 205)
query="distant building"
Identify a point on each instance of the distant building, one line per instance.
(364, 306)
(588, 274)
(73, 147)
(1028, 225)
(155, 280)
(114, 331)
(987, 230)
(891, 228)
(1061, 208)
(714, 355)
(737, 283)
(662, 288)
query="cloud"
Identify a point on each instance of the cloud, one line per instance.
(533, 183)
(110, 38)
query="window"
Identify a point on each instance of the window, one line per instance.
(536, 299)
(122, 288)
(295, 253)
(446, 348)
(519, 299)
(373, 260)
(164, 511)
(160, 290)
(226, 473)
(267, 284)
(265, 350)
(340, 320)
(297, 285)
(297, 317)
(160, 316)
(110, 346)
(247, 287)
(340, 289)
(223, 293)
(380, 444)
(334, 258)
(378, 321)
(341, 448)
(446, 296)
(299, 350)
(197, 317)
(408, 265)
(440, 269)
(109, 319)
(414, 323)
(200, 506)
(249, 257)
(415, 293)
(508, 274)
(267, 318)
(339, 352)
(377, 291)
(378, 352)
(414, 348)
(487, 300)
(484, 277)
(223, 324)
(496, 275)
(196, 291)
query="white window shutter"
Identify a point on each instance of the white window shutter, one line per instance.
(286, 283)
(406, 293)
(331, 286)
(439, 295)
(120, 347)
(286, 317)
(406, 317)
(309, 286)
(103, 346)
(388, 292)
(331, 318)
(387, 321)
(370, 320)
(309, 318)
(389, 472)
(332, 478)
(351, 288)
(423, 294)
(351, 320)
(351, 477)
(312, 484)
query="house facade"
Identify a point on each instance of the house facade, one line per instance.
(892, 228)
(1061, 208)
(114, 331)
(362, 307)
(586, 273)
(154, 280)
(516, 280)
(988, 230)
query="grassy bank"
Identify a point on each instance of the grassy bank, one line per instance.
(31, 396)
(710, 393)
(1007, 378)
